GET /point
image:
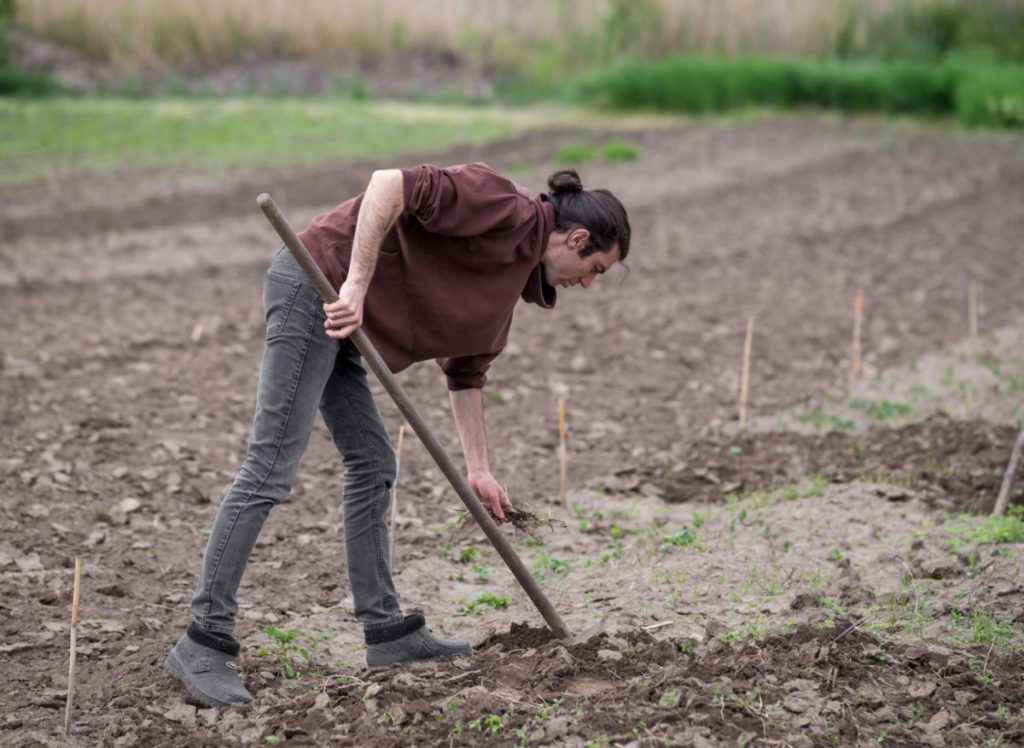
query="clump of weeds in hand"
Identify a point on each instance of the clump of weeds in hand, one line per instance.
(525, 519)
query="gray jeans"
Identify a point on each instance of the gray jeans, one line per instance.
(304, 370)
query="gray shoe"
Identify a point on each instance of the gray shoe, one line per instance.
(408, 640)
(205, 664)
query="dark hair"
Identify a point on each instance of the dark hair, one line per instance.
(597, 211)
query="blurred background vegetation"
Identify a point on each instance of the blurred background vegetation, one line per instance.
(961, 59)
(539, 38)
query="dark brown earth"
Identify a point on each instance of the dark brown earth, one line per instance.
(956, 465)
(859, 611)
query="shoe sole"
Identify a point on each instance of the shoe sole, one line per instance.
(450, 656)
(173, 667)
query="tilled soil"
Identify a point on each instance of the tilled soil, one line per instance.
(812, 615)
(956, 465)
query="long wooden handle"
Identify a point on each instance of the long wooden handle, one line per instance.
(441, 457)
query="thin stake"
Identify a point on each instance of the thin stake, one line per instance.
(748, 348)
(972, 309)
(1008, 476)
(394, 491)
(858, 318)
(563, 456)
(74, 643)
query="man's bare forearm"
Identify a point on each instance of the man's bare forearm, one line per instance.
(468, 409)
(381, 206)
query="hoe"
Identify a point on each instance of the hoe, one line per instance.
(441, 457)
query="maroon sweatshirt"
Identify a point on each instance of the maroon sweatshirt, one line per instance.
(464, 250)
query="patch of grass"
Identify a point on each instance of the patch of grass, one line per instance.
(615, 150)
(1008, 528)
(490, 723)
(545, 710)
(982, 627)
(813, 485)
(820, 419)
(1001, 529)
(482, 573)
(497, 601)
(669, 699)
(681, 538)
(750, 631)
(547, 562)
(574, 154)
(880, 410)
(75, 135)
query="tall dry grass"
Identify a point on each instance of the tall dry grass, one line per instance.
(129, 33)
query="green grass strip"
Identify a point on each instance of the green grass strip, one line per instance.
(67, 135)
(978, 94)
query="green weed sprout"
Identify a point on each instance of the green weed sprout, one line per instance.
(494, 600)
(286, 651)
(681, 538)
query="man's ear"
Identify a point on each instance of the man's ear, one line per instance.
(579, 239)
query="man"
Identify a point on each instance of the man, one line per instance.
(430, 262)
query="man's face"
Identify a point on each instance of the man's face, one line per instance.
(563, 265)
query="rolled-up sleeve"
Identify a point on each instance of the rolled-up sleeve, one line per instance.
(467, 372)
(459, 201)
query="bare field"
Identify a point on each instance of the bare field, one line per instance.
(808, 582)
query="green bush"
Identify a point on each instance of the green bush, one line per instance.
(980, 94)
(17, 83)
(13, 81)
(992, 97)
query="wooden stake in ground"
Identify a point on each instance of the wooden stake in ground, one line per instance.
(748, 348)
(972, 309)
(858, 319)
(394, 490)
(74, 643)
(1011, 472)
(563, 456)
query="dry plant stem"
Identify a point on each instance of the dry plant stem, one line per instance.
(972, 309)
(655, 626)
(375, 363)
(394, 492)
(563, 456)
(858, 318)
(748, 348)
(1011, 471)
(76, 591)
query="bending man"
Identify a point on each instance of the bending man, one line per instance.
(431, 263)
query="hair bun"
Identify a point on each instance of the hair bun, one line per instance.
(564, 182)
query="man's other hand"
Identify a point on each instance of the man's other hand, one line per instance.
(345, 315)
(490, 493)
